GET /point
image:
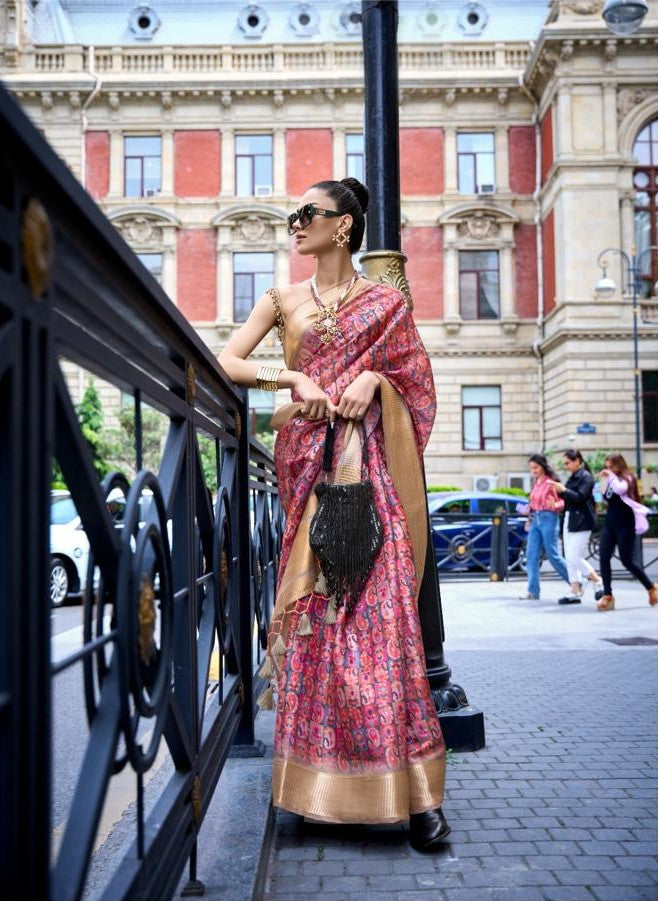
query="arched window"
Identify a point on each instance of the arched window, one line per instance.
(645, 182)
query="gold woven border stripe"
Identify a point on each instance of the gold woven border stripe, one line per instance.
(364, 798)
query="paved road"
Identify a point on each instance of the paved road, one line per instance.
(560, 805)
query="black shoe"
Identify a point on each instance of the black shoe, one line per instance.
(598, 594)
(427, 829)
(570, 599)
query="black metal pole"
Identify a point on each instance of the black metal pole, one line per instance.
(463, 725)
(379, 23)
(634, 273)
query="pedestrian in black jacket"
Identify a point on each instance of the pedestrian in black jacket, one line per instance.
(579, 521)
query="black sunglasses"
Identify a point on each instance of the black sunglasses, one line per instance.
(304, 215)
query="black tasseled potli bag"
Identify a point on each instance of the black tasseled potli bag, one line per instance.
(346, 531)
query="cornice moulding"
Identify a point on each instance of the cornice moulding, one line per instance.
(557, 45)
(233, 214)
(566, 333)
(147, 211)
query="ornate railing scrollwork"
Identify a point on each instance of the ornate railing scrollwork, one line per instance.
(174, 589)
(144, 662)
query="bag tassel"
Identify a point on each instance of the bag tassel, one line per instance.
(332, 608)
(266, 700)
(267, 670)
(304, 627)
(346, 531)
(279, 646)
(320, 586)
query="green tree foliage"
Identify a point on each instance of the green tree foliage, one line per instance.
(208, 456)
(267, 437)
(596, 459)
(90, 417)
(120, 442)
(514, 492)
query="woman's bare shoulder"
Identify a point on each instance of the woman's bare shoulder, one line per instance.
(290, 296)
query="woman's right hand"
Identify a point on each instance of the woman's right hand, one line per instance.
(316, 403)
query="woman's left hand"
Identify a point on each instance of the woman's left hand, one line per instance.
(357, 397)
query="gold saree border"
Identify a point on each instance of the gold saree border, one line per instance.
(403, 462)
(332, 797)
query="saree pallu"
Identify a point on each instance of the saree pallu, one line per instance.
(357, 738)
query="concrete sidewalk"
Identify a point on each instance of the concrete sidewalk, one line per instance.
(560, 805)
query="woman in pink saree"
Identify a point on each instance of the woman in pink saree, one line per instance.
(357, 738)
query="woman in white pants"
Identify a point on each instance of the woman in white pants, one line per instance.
(579, 520)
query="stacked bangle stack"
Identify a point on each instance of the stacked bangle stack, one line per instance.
(267, 378)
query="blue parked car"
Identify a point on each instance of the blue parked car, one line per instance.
(460, 522)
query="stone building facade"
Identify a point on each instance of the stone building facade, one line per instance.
(528, 132)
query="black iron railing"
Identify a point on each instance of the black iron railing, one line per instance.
(467, 545)
(194, 573)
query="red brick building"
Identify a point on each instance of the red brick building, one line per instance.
(528, 144)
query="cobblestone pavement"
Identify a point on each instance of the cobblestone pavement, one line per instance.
(559, 806)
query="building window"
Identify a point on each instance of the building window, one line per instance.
(253, 165)
(355, 164)
(479, 284)
(142, 166)
(650, 405)
(481, 418)
(645, 181)
(253, 274)
(153, 262)
(476, 162)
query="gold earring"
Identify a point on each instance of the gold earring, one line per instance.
(339, 238)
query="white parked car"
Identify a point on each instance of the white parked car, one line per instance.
(69, 545)
(69, 549)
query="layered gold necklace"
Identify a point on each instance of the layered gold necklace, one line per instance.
(326, 323)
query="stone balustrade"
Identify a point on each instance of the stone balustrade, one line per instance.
(503, 58)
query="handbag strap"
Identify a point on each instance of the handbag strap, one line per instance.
(329, 440)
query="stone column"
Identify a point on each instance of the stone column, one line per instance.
(451, 313)
(281, 256)
(450, 160)
(610, 120)
(167, 163)
(116, 164)
(169, 269)
(279, 187)
(340, 164)
(228, 163)
(502, 158)
(506, 270)
(224, 275)
(562, 130)
(628, 221)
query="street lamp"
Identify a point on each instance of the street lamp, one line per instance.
(624, 16)
(606, 287)
(462, 724)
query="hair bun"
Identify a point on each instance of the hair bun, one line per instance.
(360, 191)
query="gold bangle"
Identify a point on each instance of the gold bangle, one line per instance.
(267, 378)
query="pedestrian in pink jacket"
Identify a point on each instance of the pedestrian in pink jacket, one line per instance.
(625, 518)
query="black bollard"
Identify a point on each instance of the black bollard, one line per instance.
(463, 725)
(499, 547)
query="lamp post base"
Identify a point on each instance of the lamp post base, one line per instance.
(463, 729)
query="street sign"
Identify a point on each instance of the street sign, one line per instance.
(586, 428)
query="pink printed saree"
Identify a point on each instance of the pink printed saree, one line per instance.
(357, 738)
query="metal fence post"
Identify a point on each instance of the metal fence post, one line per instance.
(245, 640)
(499, 547)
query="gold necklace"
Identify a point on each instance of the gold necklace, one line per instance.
(326, 323)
